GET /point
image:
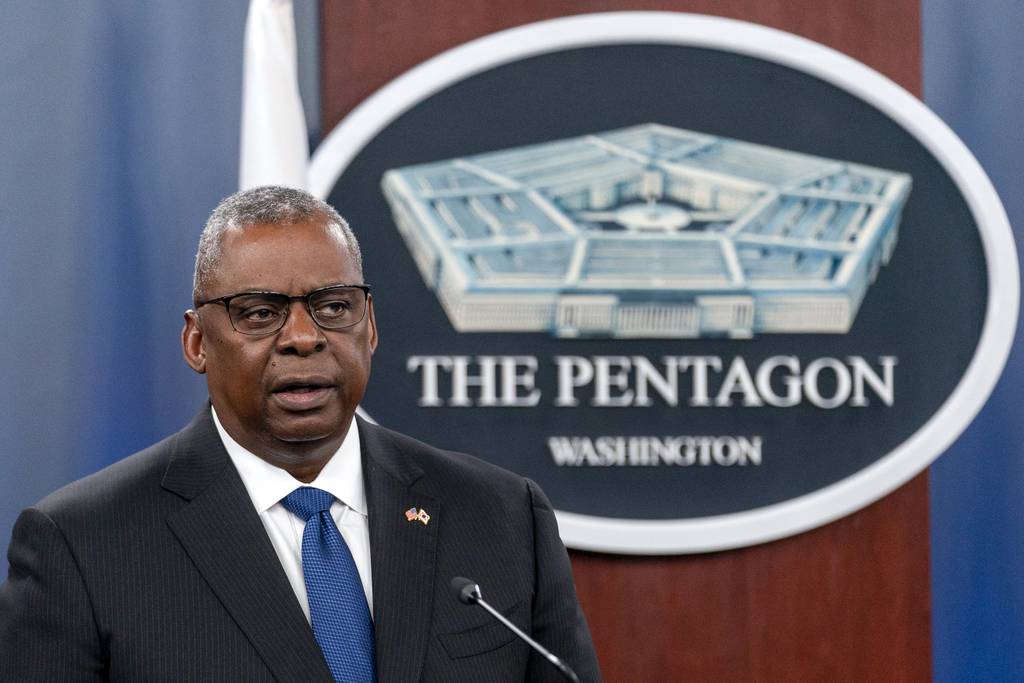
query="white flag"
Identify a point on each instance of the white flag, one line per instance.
(275, 146)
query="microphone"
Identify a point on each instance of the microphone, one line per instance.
(468, 593)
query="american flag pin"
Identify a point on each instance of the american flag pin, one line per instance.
(411, 515)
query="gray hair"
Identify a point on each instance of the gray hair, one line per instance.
(270, 204)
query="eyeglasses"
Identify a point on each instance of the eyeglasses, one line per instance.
(332, 308)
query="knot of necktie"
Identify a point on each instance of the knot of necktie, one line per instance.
(307, 501)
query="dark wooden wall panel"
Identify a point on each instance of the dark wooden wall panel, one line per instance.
(847, 602)
(366, 43)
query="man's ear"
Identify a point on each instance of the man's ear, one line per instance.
(192, 342)
(372, 323)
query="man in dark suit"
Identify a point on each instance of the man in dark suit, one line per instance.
(195, 560)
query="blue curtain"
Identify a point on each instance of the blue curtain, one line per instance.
(120, 133)
(973, 57)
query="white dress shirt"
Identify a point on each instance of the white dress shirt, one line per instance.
(342, 477)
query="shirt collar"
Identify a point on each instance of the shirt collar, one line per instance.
(342, 476)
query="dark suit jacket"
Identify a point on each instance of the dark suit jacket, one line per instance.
(158, 568)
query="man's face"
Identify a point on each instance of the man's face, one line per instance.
(288, 396)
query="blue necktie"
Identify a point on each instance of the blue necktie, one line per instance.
(337, 603)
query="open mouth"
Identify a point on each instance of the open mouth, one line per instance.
(299, 388)
(302, 395)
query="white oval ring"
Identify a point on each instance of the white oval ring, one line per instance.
(655, 537)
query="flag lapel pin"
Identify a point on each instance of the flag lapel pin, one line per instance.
(414, 515)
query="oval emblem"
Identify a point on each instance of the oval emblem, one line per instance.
(709, 283)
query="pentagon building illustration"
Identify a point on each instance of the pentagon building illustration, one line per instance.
(648, 232)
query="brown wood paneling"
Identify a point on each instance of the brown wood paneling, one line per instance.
(366, 43)
(849, 601)
(845, 602)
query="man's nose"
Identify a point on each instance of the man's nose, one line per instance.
(300, 334)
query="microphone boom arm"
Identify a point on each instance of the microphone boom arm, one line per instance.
(469, 593)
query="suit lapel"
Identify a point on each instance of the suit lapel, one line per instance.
(402, 556)
(226, 541)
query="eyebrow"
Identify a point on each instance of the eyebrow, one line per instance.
(263, 290)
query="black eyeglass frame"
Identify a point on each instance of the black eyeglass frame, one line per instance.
(304, 298)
